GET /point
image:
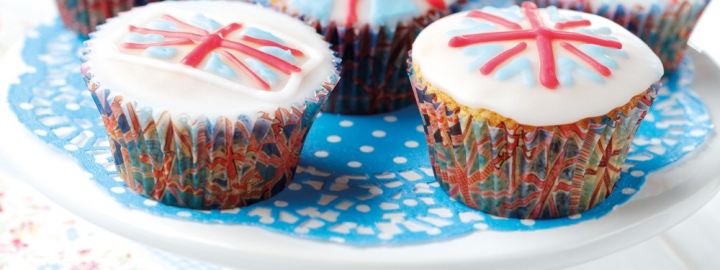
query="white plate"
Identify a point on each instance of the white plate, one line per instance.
(668, 198)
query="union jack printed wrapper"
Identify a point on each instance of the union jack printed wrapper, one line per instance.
(507, 169)
(374, 78)
(204, 163)
(666, 27)
(83, 16)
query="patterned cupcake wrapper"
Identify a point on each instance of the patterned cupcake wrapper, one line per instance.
(83, 16)
(666, 28)
(374, 78)
(507, 169)
(202, 163)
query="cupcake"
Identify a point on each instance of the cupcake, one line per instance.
(372, 37)
(665, 25)
(207, 103)
(82, 16)
(529, 113)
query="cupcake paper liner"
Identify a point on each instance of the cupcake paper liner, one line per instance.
(83, 16)
(666, 28)
(374, 78)
(506, 169)
(203, 163)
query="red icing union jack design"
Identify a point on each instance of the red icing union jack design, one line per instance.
(544, 36)
(238, 52)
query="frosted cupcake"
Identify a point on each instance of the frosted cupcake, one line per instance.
(83, 16)
(665, 25)
(207, 103)
(373, 38)
(529, 113)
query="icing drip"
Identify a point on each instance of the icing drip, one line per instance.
(544, 38)
(213, 46)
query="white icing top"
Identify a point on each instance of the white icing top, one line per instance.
(121, 59)
(373, 12)
(513, 89)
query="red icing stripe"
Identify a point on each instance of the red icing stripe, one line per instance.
(437, 4)
(166, 34)
(600, 68)
(543, 38)
(269, 59)
(494, 19)
(265, 42)
(571, 36)
(185, 25)
(197, 55)
(530, 10)
(208, 44)
(130, 45)
(465, 40)
(227, 30)
(352, 13)
(490, 66)
(572, 24)
(240, 65)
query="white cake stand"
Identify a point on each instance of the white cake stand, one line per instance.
(668, 198)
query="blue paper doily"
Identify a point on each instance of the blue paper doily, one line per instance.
(364, 180)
